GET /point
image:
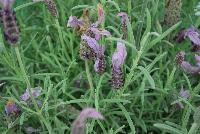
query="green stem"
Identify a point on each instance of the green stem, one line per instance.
(89, 77)
(194, 128)
(129, 6)
(62, 40)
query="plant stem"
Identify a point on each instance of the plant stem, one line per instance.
(194, 128)
(62, 40)
(25, 77)
(89, 77)
(29, 88)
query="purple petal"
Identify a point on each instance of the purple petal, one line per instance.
(187, 67)
(197, 58)
(7, 3)
(74, 22)
(98, 33)
(11, 108)
(119, 56)
(101, 15)
(31, 130)
(184, 93)
(193, 35)
(92, 43)
(35, 92)
(78, 127)
(123, 16)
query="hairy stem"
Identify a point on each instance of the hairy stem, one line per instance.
(89, 77)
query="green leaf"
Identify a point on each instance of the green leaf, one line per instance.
(162, 36)
(148, 76)
(168, 128)
(130, 122)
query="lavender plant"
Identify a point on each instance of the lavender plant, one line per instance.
(101, 35)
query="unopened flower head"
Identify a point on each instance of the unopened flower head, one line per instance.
(78, 127)
(118, 59)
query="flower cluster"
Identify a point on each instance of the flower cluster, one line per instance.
(90, 49)
(12, 109)
(118, 59)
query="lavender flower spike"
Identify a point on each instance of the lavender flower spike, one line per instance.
(193, 35)
(118, 59)
(123, 16)
(78, 126)
(26, 96)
